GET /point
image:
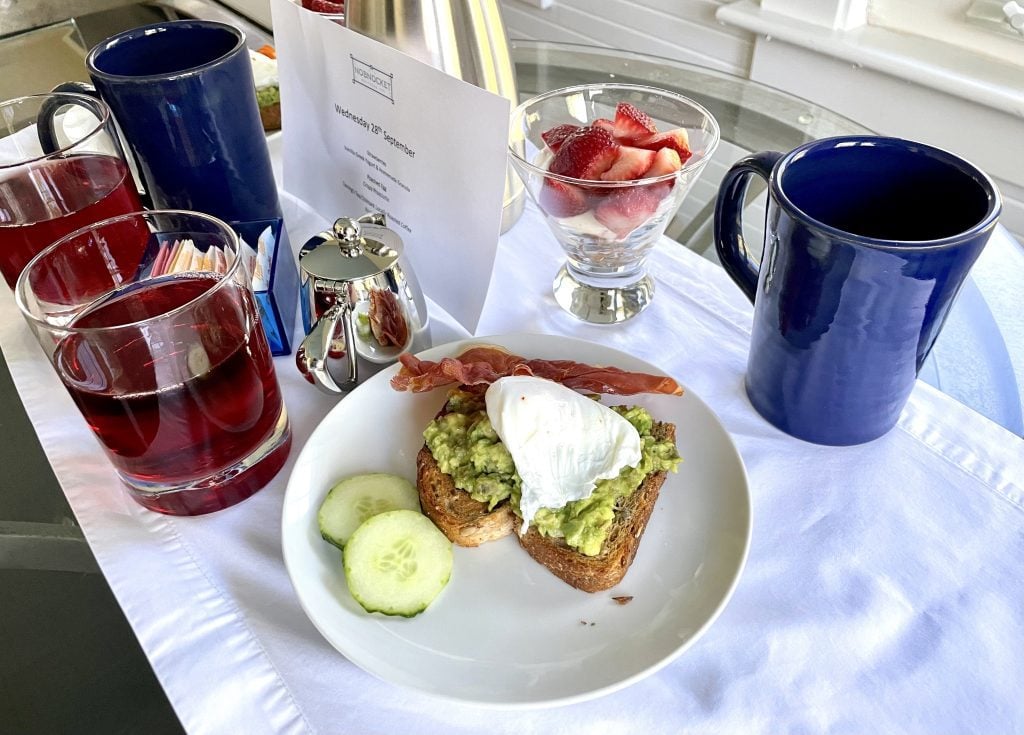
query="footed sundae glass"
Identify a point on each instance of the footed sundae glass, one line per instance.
(591, 158)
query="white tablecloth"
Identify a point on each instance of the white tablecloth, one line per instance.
(884, 589)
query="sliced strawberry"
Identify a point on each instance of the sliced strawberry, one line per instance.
(559, 199)
(632, 124)
(557, 135)
(661, 190)
(631, 163)
(586, 154)
(666, 161)
(626, 209)
(604, 124)
(675, 139)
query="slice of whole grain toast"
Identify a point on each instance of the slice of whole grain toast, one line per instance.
(606, 569)
(465, 521)
(468, 522)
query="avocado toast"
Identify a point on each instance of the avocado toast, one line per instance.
(468, 485)
(463, 452)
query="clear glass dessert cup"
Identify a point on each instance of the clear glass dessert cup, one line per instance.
(604, 279)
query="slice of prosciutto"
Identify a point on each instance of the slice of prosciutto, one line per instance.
(483, 365)
(387, 322)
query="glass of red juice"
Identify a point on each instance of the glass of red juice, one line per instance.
(168, 362)
(61, 167)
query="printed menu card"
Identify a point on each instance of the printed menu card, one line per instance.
(368, 128)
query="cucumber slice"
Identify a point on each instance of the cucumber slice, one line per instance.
(397, 562)
(356, 498)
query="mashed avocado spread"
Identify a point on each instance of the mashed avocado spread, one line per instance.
(268, 96)
(466, 447)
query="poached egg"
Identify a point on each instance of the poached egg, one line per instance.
(562, 442)
(264, 70)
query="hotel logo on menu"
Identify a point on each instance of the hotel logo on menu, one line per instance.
(374, 79)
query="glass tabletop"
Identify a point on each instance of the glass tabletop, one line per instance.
(970, 360)
(752, 117)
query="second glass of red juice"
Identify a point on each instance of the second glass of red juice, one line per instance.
(61, 167)
(151, 324)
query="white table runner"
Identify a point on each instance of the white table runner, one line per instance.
(884, 588)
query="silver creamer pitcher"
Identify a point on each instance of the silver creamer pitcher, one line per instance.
(463, 38)
(361, 304)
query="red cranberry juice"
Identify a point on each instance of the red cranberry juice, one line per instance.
(41, 203)
(180, 400)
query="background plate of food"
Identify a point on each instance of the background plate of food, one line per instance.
(505, 631)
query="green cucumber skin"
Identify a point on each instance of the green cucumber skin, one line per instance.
(335, 510)
(429, 545)
(331, 541)
(397, 613)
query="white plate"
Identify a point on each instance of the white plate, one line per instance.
(506, 632)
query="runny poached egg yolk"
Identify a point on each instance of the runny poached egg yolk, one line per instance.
(562, 442)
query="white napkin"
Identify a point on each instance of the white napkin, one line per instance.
(883, 588)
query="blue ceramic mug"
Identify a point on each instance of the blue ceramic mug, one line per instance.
(182, 93)
(867, 242)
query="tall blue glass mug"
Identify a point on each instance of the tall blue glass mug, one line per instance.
(182, 93)
(867, 242)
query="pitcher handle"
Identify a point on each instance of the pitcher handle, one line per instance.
(311, 357)
(48, 134)
(729, 243)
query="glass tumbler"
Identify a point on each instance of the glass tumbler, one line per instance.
(151, 324)
(61, 167)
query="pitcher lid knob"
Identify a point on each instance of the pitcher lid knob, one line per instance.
(354, 248)
(347, 231)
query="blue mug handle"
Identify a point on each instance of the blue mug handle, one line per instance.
(48, 135)
(729, 243)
